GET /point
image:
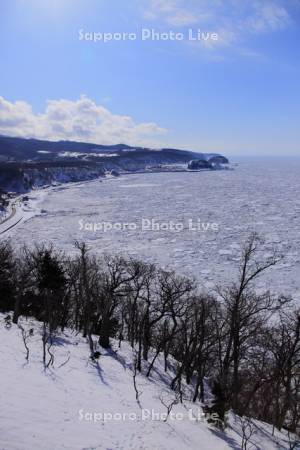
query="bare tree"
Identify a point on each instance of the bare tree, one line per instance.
(25, 336)
(245, 312)
(169, 406)
(248, 431)
(134, 375)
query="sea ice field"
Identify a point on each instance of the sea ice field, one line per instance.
(199, 220)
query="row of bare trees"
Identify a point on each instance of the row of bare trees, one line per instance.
(245, 345)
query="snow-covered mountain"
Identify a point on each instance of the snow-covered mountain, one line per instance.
(20, 150)
(30, 163)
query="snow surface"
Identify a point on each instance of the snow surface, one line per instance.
(52, 409)
(259, 195)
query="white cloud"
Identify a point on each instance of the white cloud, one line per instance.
(268, 17)
(181, 18)
(171, 11)
(234, 20)
(80, 120)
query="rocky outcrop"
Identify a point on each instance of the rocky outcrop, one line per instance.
(215, 162)
(198, 164)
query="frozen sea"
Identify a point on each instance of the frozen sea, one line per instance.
(260, 195)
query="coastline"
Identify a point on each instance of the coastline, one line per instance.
(21, 211)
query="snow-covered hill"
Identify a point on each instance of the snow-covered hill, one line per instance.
(23, 180)
(80, 404)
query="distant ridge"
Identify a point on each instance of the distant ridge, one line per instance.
(16, 149)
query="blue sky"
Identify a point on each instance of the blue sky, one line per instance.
(239, 95)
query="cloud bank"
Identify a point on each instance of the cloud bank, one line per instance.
(80, 120)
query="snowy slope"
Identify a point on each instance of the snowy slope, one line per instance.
(52, 409)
